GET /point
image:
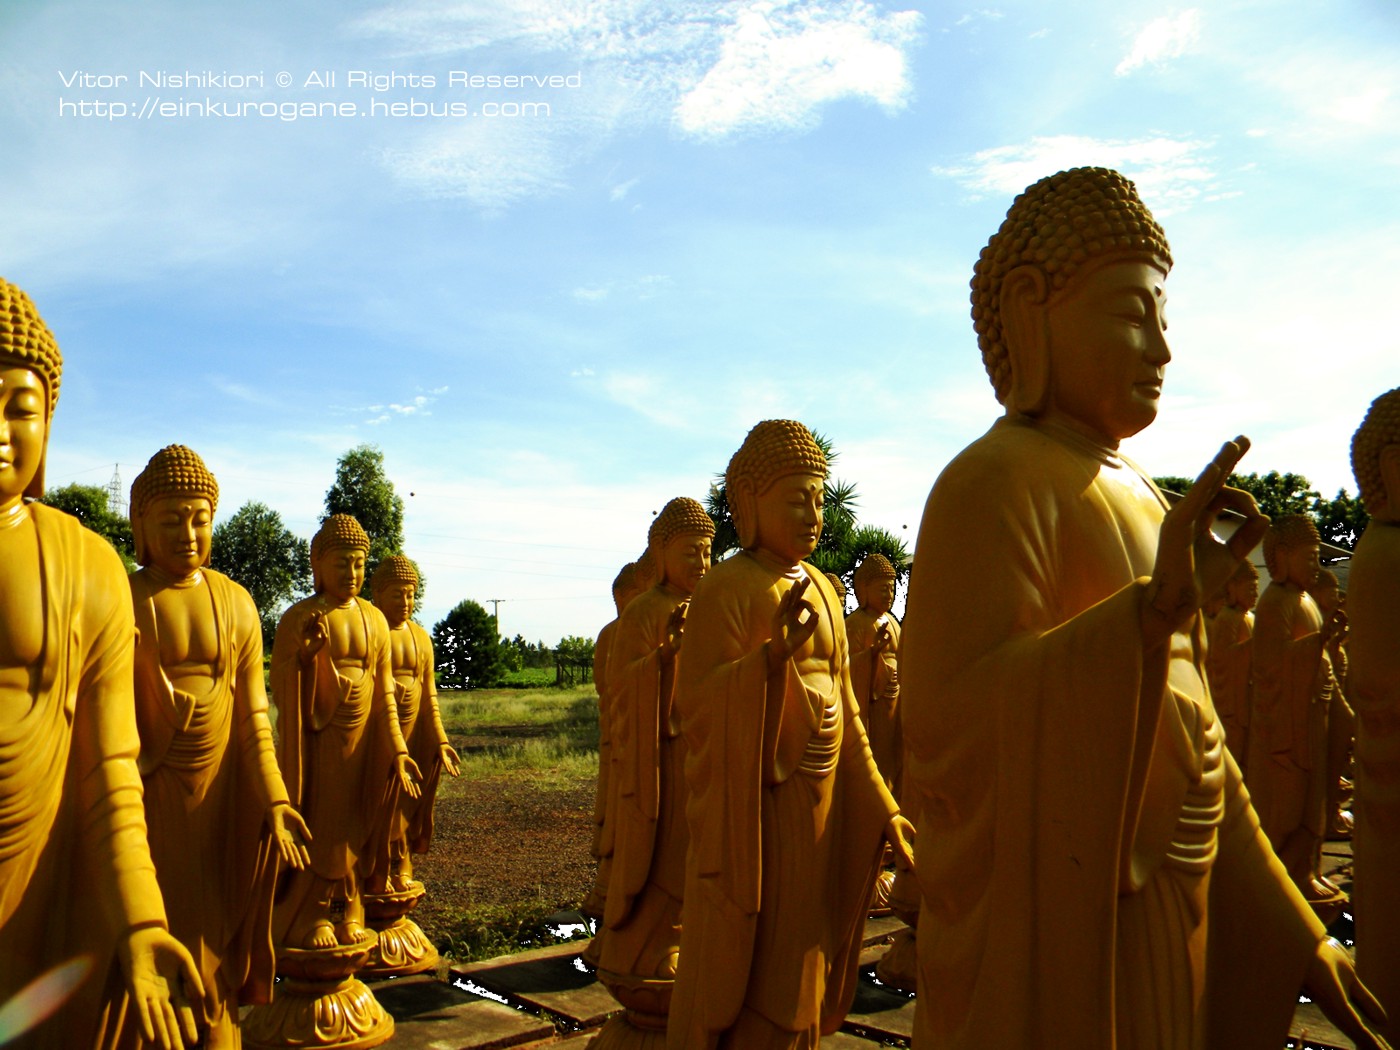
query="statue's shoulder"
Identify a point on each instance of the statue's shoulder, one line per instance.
(77, 545)
(420, 633)
(378, 625)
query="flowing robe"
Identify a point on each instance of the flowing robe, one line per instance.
(1293, 689)
(75, 869)
(1228, 665)
(875, 679)
(647, 796)
(337, 739)
(420, 723)
(1093, 874)
(786, 812)
(601, 847)
(210, 778)
(1373, 606)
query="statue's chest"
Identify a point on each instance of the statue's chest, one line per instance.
(186, 627)
(348, 639)
(403, 653)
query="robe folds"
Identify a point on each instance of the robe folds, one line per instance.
(75, 869)
(337, 739)
(210, 778)
(875, 679)
(1373, 605)
(647, 791)
(1092, 871)
(786, 812)
(1229, 666)
(420, 722)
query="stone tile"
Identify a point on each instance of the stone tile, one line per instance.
(432, 1015)
(877, 931)
(879, 1013)
(546, 979)
(1311, 1029)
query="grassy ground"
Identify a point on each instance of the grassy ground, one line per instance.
(511, 844)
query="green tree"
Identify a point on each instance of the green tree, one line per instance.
(363, 490)
(844, 541)
(465, 649)
(1341, 520)
(88, 503)
(255, 549)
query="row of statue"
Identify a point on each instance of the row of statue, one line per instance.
(1090, 868)
(160, 860)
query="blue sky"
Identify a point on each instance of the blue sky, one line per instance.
(552, 323)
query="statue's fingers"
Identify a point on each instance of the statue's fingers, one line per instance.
(1369, 1005)
(143, 1014)
(187, 1024)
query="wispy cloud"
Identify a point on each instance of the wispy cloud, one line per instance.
(1161, 40)
(622, 189)
(641, 288)
(1171, 173)
(418, 406)
(707, 70)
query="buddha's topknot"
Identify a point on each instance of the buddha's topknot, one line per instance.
(173, 471)
(774, 449)
(339, 530)
(26, 340)
(394, 569)
(1380, 428)
(680, 516)
(1286, 532)
(874, 567)
(1058, 224)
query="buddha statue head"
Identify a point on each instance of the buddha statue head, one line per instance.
(838, 586)
(172, 512)
(1242, 589)
(30, 370)
(1375, 458)
(1291, 548)
(679, 542)
(1067, 301)
(624, 587)
(874, 581)
(776, 484)
(338, 553)
(395, 586)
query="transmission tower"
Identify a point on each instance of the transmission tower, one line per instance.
(116, 494)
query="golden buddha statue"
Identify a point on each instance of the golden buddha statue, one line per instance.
(76, 878)
(646, 797)
(838, 587)
(216, 808)
(1293, 690)
(390, 889)
(873, 633)
(1341, 719)
(345, 763)
(1093, 873)
(1229, 659)
(1373, 610)
(786, 810)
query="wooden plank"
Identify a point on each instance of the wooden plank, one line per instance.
(546, 979)
(432, 1015)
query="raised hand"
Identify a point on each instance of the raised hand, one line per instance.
(675, 630)
(1191, 563)
(314, 635)
(794, 621)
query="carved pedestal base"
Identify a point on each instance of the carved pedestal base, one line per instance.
(403, 947)
(319, 1003)
(899, 966)
(880, 898)
(643, 1026)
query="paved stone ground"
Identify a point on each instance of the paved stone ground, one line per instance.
(546, 997)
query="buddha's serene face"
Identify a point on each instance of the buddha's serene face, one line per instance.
(395, 601)
(178, 531)
(1301, 564)
(685, 559)
(1243, 592)
(1108, 349)
(877, 595)
(790, 516)
(1326, 596)
(23, 430)
(342, 572)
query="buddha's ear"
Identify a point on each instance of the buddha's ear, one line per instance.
(743, 508)
(1027, 338)
(138, 537)
(1390, 480)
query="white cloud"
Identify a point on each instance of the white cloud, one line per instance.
(621, 190)
(708, 69)
(780, 63)
(1162, 39)
(1170, 173)
(418, 406)
(647, 287)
